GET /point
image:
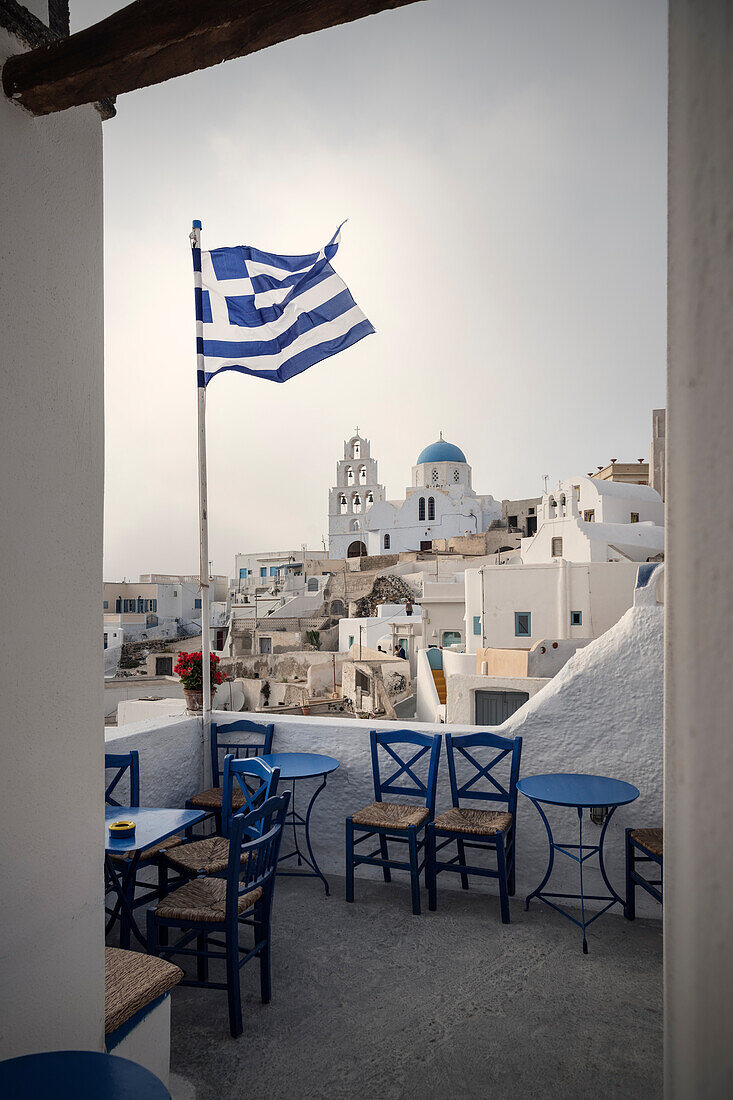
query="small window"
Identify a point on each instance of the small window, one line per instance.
(456, 476)
(106, 604)
(634, 517)
(522, 624)
(242, 574)
(263, 570)
(512, 521)
(576, 490)
(589, 516)
(435, 476)
(197, 603)
(431, 507)
(576, 618)
(477, 624)
(557, 547)
(154, 605)
(530, 511)
(451, 637)
(118, 605)
(273, 570)
(351, 640)
(219, 639)
(105, 641)
(421, 508)
(387, 542)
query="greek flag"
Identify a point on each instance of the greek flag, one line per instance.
(272, 316)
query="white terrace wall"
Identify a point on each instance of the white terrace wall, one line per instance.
(51, 444)
(601, 714)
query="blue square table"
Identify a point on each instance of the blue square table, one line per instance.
(152, 826)
(581, 792)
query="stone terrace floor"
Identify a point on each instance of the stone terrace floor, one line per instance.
(370, 1002)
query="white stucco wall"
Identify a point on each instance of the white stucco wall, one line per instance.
(601, 591)
(52, 846)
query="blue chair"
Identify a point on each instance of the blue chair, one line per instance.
(396, 821)
(467, 827)
(205, 909)
(643, 846)
(210, 855)
(258, 743)
(126, 777)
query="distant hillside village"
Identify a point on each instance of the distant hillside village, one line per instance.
(444, 606)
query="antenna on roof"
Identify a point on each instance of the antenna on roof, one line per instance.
(441, 437)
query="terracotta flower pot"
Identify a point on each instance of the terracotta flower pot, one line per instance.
(195, 700)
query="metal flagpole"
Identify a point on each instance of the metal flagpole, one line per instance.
(195, 238)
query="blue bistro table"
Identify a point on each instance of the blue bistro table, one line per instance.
(73, 1074)
(152, 826)
(294, 766)
(581, 792)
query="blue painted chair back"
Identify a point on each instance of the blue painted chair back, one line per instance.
(499, 775)
(122, 763)
(404, 779)
(257, 834)
(236, 773)
(223, 742)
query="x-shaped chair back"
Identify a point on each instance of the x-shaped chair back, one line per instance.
(404, 779)
(236, 774)
(122, 763)
(481, 781)
(223, 743)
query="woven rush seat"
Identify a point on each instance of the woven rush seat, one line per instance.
(651, 839)
(151, 852)
(203, 899)
(209, 856)
(131, 981)
(390, 815)
(211, 799)
(476, 822)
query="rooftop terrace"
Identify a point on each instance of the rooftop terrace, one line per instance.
(372, 1002)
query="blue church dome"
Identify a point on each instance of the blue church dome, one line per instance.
(440, 451)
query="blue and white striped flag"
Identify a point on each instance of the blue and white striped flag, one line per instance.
(272, 316)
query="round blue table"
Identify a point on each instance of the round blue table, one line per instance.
(580, 792)
(71, 1074)
(294, 766)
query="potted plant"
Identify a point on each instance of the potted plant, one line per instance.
(189, 667)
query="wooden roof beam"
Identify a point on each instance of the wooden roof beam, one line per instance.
(150, 41)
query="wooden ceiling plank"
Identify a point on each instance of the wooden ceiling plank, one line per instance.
(150, 41)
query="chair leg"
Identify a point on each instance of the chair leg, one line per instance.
(385, 855)
(462, 856)
(503, 884)
(431, 874)
(234, 992)
(202, 963)
(265, 963)
(129, 892)
(152, 933)
(512, 862)
(414, 872)
(163, 891)
(349, 859)
(630, 906)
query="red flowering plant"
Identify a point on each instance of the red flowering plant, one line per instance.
(189, 667)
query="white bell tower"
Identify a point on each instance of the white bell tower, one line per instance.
(356, 490)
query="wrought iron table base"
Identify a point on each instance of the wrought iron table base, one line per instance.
(119, 883)
(295, 820)
(584, 852)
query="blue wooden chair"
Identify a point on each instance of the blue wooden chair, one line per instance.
(206, 909)
(125, 780)
(210, 855)
(396, 821)
(223, 743)
(467, 827)
(643, 846)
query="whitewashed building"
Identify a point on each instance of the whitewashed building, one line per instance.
(440, 503)
(589, 519)
(158, 605)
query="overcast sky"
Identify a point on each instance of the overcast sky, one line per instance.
(503, 170)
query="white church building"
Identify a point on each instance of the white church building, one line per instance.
(440, 503)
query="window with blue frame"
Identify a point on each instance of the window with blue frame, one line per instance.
(242, 574)
(153, 605)
(576, 618)
(273, 570)
(522, 624)
(263, 570)
(106, 604)
(477, 624)
(197, 603)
